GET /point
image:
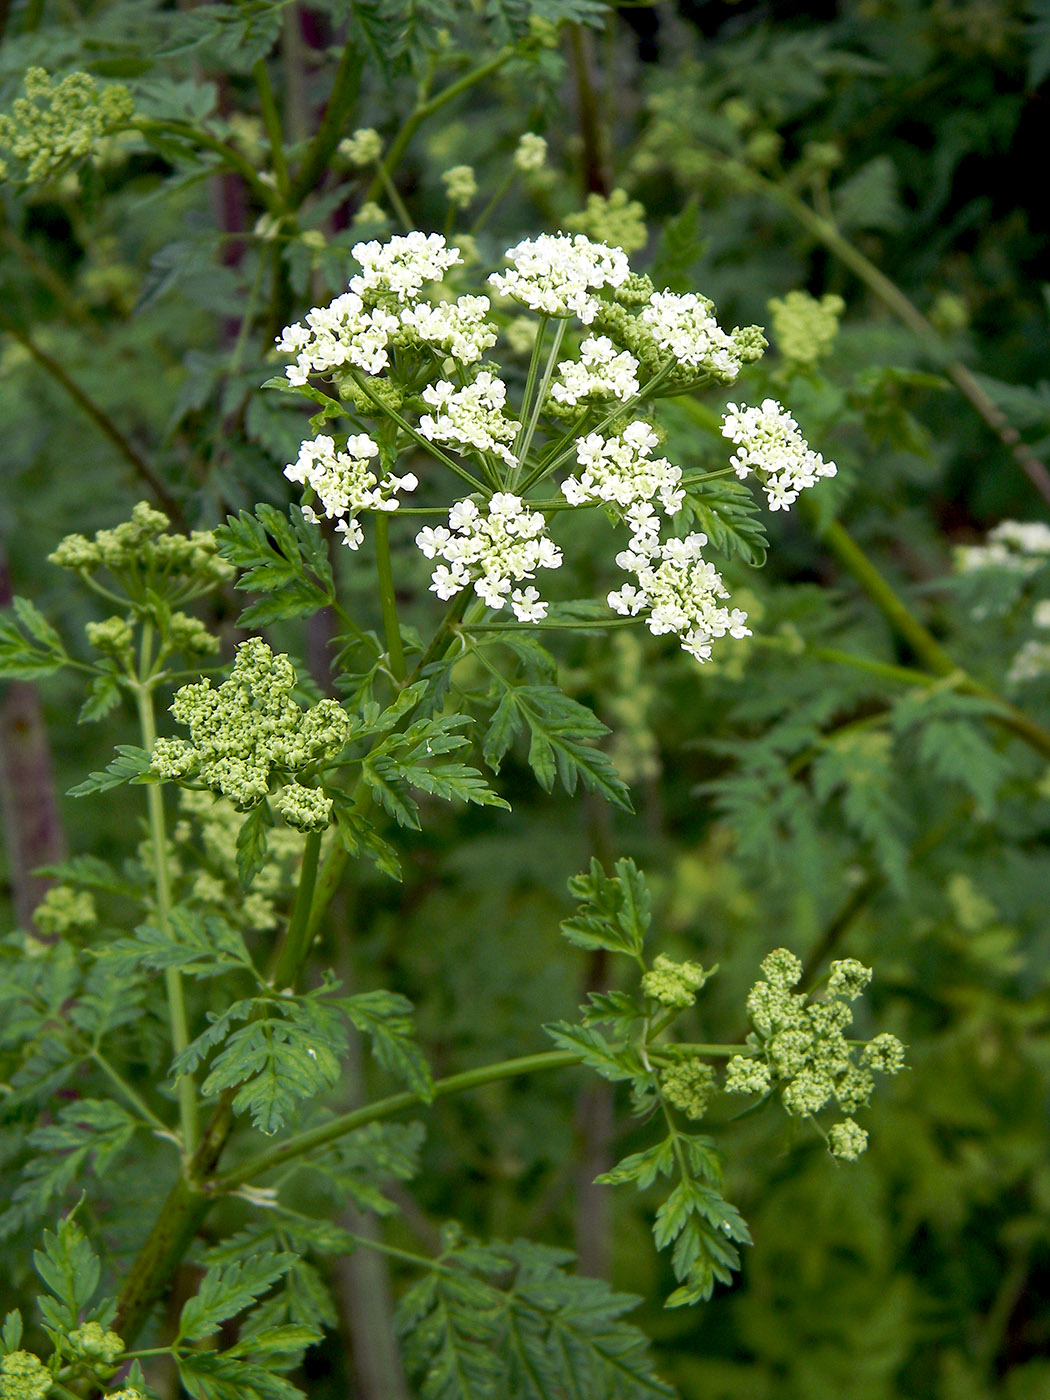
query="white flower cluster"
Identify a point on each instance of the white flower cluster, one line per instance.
(600, 372)
(344, 483)
(619, 470)
(679, 587)
(493, 549)
(1021, 545)
(558, 276)
(353, 329)
(685, 327)
(401, 266)
(344, 332)
(457, 328)
(771, 445)
(470, 417)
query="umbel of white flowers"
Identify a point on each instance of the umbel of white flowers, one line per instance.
(402, 348)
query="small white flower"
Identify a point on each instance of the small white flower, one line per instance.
(619, 470)
(558, 275)
(685, 327)
(770, 445)
(401, 266)
(493, 549)
(470, 417)
(457, 328)
(601, 372)
(344, 482)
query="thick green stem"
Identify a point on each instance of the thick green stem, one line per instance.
(297, 940)
(388, 598)
(335, 1128)
(180, 1036)
(272, 123)
(399, 145)
(345, 87)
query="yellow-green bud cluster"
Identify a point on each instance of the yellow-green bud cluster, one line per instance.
(531, 152)
(95, 1344)
(23, 1376)
(249, 728)
(688, 1086)
(307, 809)
(54, 125)
(460, 185)
(803, 1048)
(113, 637)
(616, 220)
(805, 328)
(64, 908)
(362, 147)
(143, 548)
(847, 1140)
(673, 983)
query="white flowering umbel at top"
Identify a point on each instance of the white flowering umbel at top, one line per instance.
(404, 350)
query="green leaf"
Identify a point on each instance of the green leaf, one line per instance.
(725, 510)
(103, 696)
(197, 946)
(642, 1167)
(386, 1018)
(251, 842)
(23, 657)
(130, 765)
(70, 1271)
(358, 835)
(289, 1339)
(285, 1055)
(613, 1062)
(614, 911)
(286, 559)
(89, 1128)
(509, 1321)
(560, 731)
(226, 1290)
(11, 1332)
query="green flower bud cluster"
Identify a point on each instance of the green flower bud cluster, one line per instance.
(362, 147)
(460, 184)
(616, 220)
(96, 1345)
(803, 1049)
(247, 728)
(141, 553)
(64, 908)
(113, 638)
(211, 824)
(55, 125)
(128, 1393)
(23, 1376)
(805, 328)
(688, 1086)
(674, 983)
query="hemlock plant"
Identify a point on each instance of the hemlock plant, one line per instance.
(405, 359)
(515, 412)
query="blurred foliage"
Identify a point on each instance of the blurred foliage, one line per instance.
(782, 796)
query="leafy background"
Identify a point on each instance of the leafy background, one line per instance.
(782, 798)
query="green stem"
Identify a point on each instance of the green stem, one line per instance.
(272, 123)
(522, 452)
(98, 416)
(336, 1128)
(902, 675)
(344, 92)
(230, 156)
(297, 939)
(399, 145)
(417, 437)
(136, 1100)
(388, 598)
(180, 1036)
(396, 202)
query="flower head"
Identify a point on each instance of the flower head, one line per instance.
(770, 445)
(492, 549)
(559, 276)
